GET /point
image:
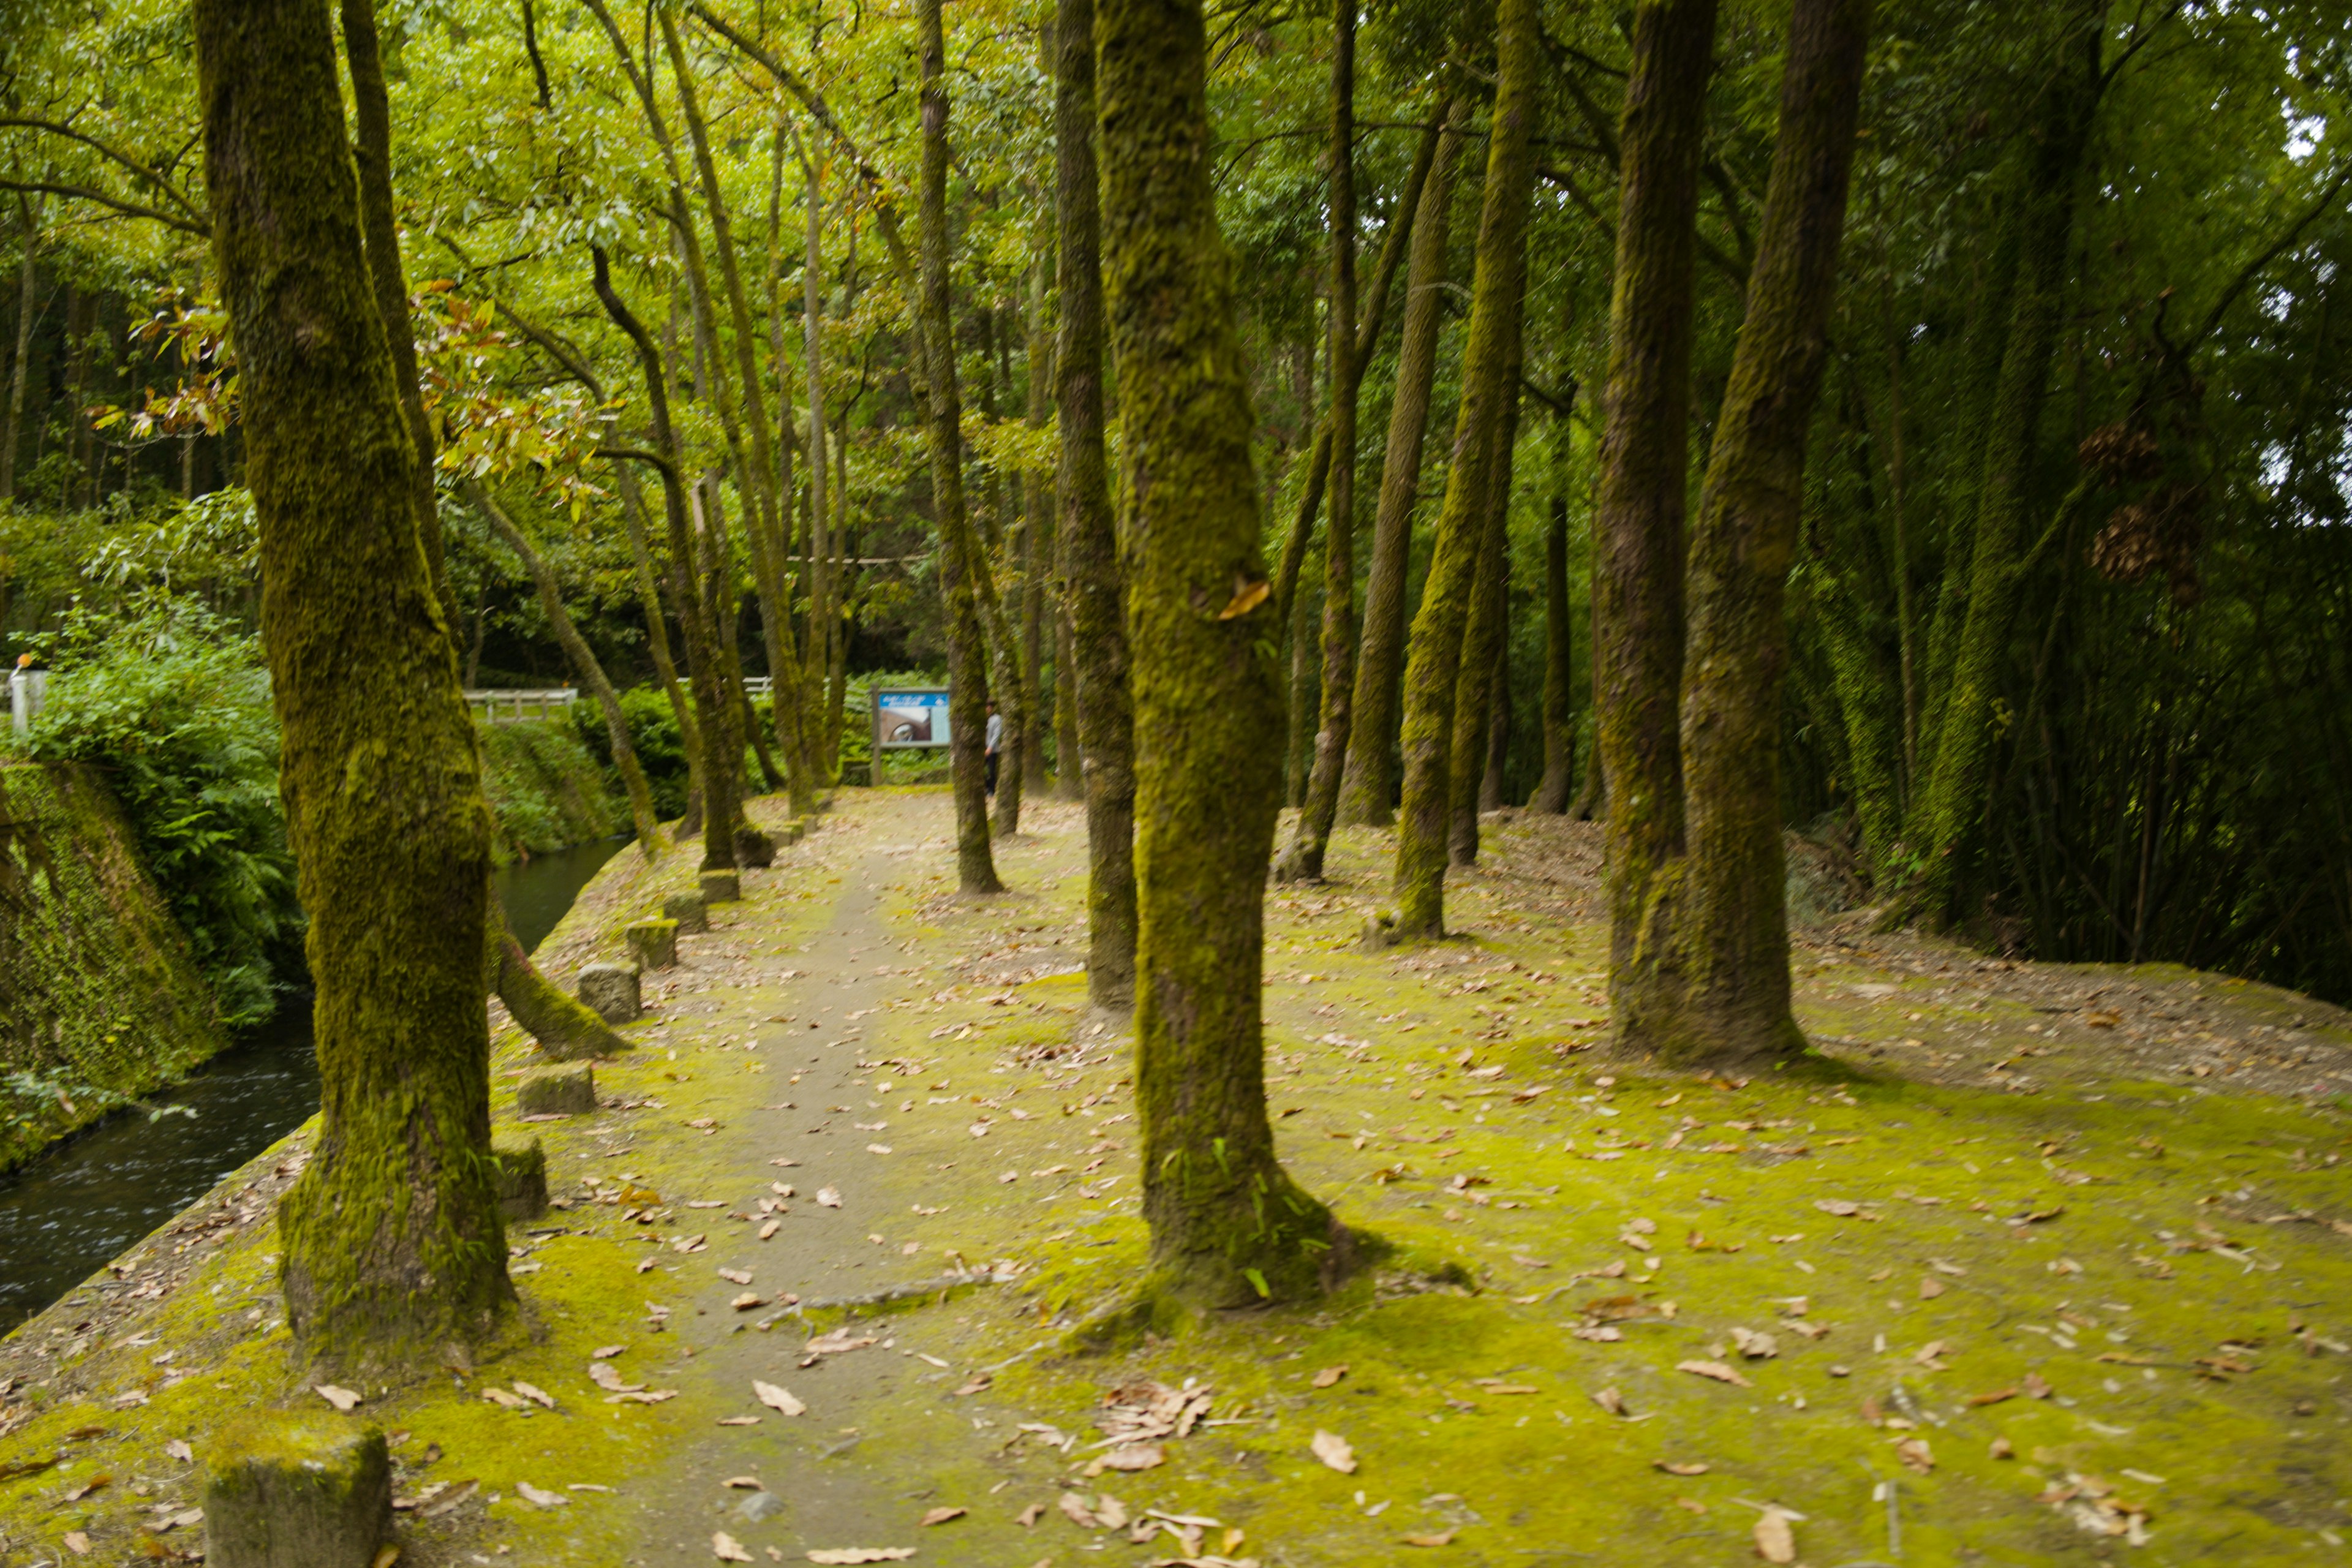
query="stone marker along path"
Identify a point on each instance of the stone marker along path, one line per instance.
(2035, 1285)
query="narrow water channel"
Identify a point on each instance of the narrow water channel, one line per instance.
(81, 1205)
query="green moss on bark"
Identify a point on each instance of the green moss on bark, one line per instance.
(1228, 1225)
(392, 1239)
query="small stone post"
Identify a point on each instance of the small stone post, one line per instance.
(721, 888)
(654, 942)
(611, 992)
(296, 1493)
(689, 909)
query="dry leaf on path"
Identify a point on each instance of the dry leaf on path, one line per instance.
(727, 1549)
(544, 1498)
(1930, 1286)
(1915, 1452)
(776, 1398)
(1132, 1456)
(1753, 1345)
(1442, 1537)
(1073, 1506)
(1838, 1206)
(1028, 1517)
(1333, 1450)
(1609, 1399)
(340, 1398)
(607, 1376)
(1775, 1542)
(536, 1395)
(78, 1542)
(1713, 1369)
(1330, 1376)
(747, 1483)
(831, 1198)
(180, 1451)
(941, 1515)
(1672, 1469)
(863, 1555)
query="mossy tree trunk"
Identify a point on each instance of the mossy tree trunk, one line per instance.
(1558, 779)
(28, 296)
(392, 1239)
(766, 467)
(1096, 668)
(1228, 1225)
(1486, 634)
(1949, 812)
(1304, 860)
(1735, 937)
(583, 664)
(1637, 527)
(1036, 512)
(960, 565)
(1370, 779)
(720, 765)
(822, 744)
(380, 234)
(1434, 649)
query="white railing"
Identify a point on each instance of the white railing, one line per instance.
(505, 707)
(759, 686)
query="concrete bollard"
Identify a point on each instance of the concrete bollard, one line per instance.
(691, 912)
(654, 942)
(566, 1090)
(753, 848)
(611, 992)
(284, 1493)
(721, 888)
(520, 1172)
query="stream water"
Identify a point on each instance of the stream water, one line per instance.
(85, 1202)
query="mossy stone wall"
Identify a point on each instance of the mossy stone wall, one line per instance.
(100, 1001)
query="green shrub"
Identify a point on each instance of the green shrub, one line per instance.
(170, 704)
(654, 734)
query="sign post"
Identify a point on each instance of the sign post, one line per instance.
(909, 720)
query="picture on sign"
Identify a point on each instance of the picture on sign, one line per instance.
(907, 720)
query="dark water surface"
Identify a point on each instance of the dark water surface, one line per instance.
(84, 1203)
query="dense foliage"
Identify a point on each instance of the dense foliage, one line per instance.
(2147, 622)
(171, 706)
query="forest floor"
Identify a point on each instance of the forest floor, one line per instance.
(2061, 1272)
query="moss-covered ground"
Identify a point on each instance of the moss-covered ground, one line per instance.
(2024, 1286)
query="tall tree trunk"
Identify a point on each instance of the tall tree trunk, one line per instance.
(372, 154)
(1037, 518)
(1306, 662)
(1228, 1225)
(583, 664)
(1950, 810)
(649, 604)
(824, 755)
(1089, 543)
(1304, 860)
(1558, 779)
(27, 303)
(1735, 939)
(1500, 716)
(393, 1244)
(769, 471)
(1486, 634)
(1370, 778)
(959, 567)
(1434, 649)
(719, 766)
(1637, 530)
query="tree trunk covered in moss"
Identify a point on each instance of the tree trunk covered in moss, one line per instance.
(719, 766)
(821, 743)
(1559, 779)
(1499, 719)
(1097, 665)
(380, 236)
(565, 1027)
(1485, 632)
(649, 604)
(583, 664)
(1305, 669)
(1304, 860)
(1637, 527)
(1949, 811)
(1009, 682)
(1735, 937)
(768, 472)
(392, 1239)
(1370, 779)
(1069, 766)
(1228, 1225)
(1036, 517)
(966, 650)
(1434, 649)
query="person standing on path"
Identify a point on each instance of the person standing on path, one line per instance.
(996, 740)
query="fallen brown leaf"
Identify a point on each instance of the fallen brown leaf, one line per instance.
(727, 1549)
(1672, 1469)
(1713, 1369)
(1775, 1542)
(1333, 1450)
(941, 1515)
(1442, 1537)
(1330, 1376)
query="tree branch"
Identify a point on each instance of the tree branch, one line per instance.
(128, 209)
